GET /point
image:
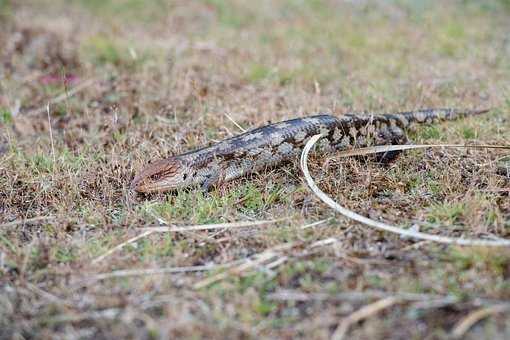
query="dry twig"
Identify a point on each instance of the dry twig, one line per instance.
(147, 272)
(463, 326)
(51, 137)
(24, 221)
(198, 227)
(234, 122)
(380, 225)
(63, 96)
(249, 263)
(354, 296)
(120, 246)
(362, 313)
(150, 230)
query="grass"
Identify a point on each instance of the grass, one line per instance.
(5, 116)
(166, 72)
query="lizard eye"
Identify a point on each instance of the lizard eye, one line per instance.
(184, 177)
(155, 177)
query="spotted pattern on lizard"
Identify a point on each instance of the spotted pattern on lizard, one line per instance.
(273, 144)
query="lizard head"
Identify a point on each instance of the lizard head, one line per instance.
(164, 175)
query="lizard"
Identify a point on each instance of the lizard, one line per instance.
(273, 144)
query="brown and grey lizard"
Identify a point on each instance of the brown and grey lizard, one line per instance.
(271, 145)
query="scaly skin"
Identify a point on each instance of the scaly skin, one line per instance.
(273, 144)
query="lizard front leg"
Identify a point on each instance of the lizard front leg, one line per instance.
(393, 135)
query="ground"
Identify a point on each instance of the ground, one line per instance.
(91, 91)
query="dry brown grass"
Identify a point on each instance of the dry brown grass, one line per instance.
(167, 77)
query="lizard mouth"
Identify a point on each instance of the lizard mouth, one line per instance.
(157, 177)
(138, 184)
(149, 188)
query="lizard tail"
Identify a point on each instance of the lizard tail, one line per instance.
(428, 116)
